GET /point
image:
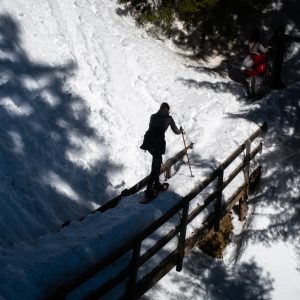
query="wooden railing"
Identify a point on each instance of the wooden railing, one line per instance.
(141, 184)
(135, 286)
(165, 168)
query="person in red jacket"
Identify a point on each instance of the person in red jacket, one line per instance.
(154, 142)
(258, 53)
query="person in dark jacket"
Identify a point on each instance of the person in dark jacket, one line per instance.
(279, 43)
(154, 142)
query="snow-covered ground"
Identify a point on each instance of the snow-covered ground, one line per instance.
(78, 84)
(262, 262)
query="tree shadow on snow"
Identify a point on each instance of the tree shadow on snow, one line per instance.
(218, 87)
(43, 124)
(206, 278)
(279, 191)
(217, 281)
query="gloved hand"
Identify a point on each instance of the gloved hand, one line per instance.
(181, 129)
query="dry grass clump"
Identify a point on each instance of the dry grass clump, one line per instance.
(213, 243)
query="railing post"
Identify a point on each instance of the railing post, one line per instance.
(243, 207)
(130, 293)
(182, 236)
(218, 203)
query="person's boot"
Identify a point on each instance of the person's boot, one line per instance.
(160, 187)
(150, 194)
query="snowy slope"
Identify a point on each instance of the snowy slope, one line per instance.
(78, 85)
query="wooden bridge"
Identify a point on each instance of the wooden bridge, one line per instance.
(127, 281)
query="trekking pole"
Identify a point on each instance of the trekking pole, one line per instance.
(186, 152)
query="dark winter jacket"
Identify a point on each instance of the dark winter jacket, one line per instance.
(154, 139)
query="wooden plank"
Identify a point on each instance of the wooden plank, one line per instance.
(216, 173)
(156, 274)
(200, 208)
(241, 148)
(133, 271)
(243, 206)
(208, 223)
(218, 203)
(159, 245)
(107, 286)
(235, 198)
(241, 166)
(181, 240)
(253, 179)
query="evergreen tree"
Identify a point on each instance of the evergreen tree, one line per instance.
(204, 24)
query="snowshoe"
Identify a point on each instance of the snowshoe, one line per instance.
(149, 195)
(161, 187)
